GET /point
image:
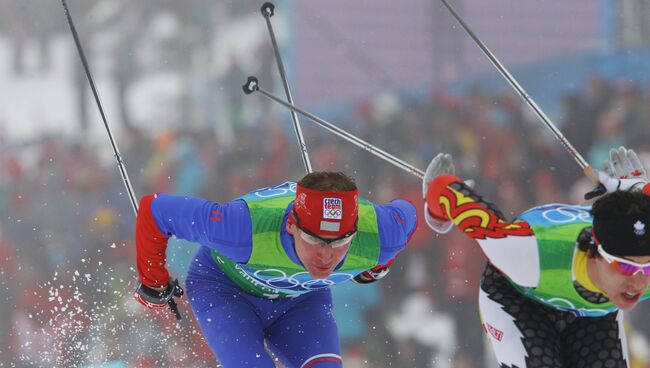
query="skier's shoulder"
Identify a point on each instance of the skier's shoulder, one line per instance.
(556, 214)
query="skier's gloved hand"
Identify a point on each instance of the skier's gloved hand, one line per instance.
(623, 171)
(154, 299)
(613, 184)
(373, 274)
(442, 164)
(625, 164)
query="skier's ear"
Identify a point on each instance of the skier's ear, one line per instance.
(291, 225)
(585, 241)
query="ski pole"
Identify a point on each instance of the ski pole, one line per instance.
(120, 163)
(116, 152)
(252, 86)
(584, 165)
(268, 11)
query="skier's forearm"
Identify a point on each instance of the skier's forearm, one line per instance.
(450, 199)
(151, 245)
(511, 247)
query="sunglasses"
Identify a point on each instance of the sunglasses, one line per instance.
(624, 266)
(314, 239)
(334, 243)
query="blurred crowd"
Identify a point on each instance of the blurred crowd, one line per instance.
(67, 251)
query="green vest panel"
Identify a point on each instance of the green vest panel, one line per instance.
(270, 272)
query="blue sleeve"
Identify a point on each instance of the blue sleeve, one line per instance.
(225, 228)
(397, 220)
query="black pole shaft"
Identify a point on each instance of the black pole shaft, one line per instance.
(116, 152)
(345, 135)
(125, 176)
(294, 117)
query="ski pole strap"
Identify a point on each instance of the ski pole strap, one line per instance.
(174, 308)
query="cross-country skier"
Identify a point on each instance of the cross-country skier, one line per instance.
(558, 276)
(267, 260)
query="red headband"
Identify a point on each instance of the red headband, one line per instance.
(326, 213)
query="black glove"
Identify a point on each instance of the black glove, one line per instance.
(154, 299)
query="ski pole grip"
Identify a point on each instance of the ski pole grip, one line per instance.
(597, 192)
(592, 175)
(599, 189)
(268, 9)
(250, 86)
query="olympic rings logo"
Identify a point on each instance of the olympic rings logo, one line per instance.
(566, 305)
(333, 213)
(278, 279)
(279, 190)
(566, 214)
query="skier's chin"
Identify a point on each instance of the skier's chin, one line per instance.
(627, 302)
(319, 272)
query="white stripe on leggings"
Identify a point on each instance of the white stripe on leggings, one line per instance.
(330, 355)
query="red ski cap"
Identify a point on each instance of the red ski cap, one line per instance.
(326, 213)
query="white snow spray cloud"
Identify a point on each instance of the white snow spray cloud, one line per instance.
(86, 316)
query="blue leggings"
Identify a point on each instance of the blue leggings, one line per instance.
(300, 332)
